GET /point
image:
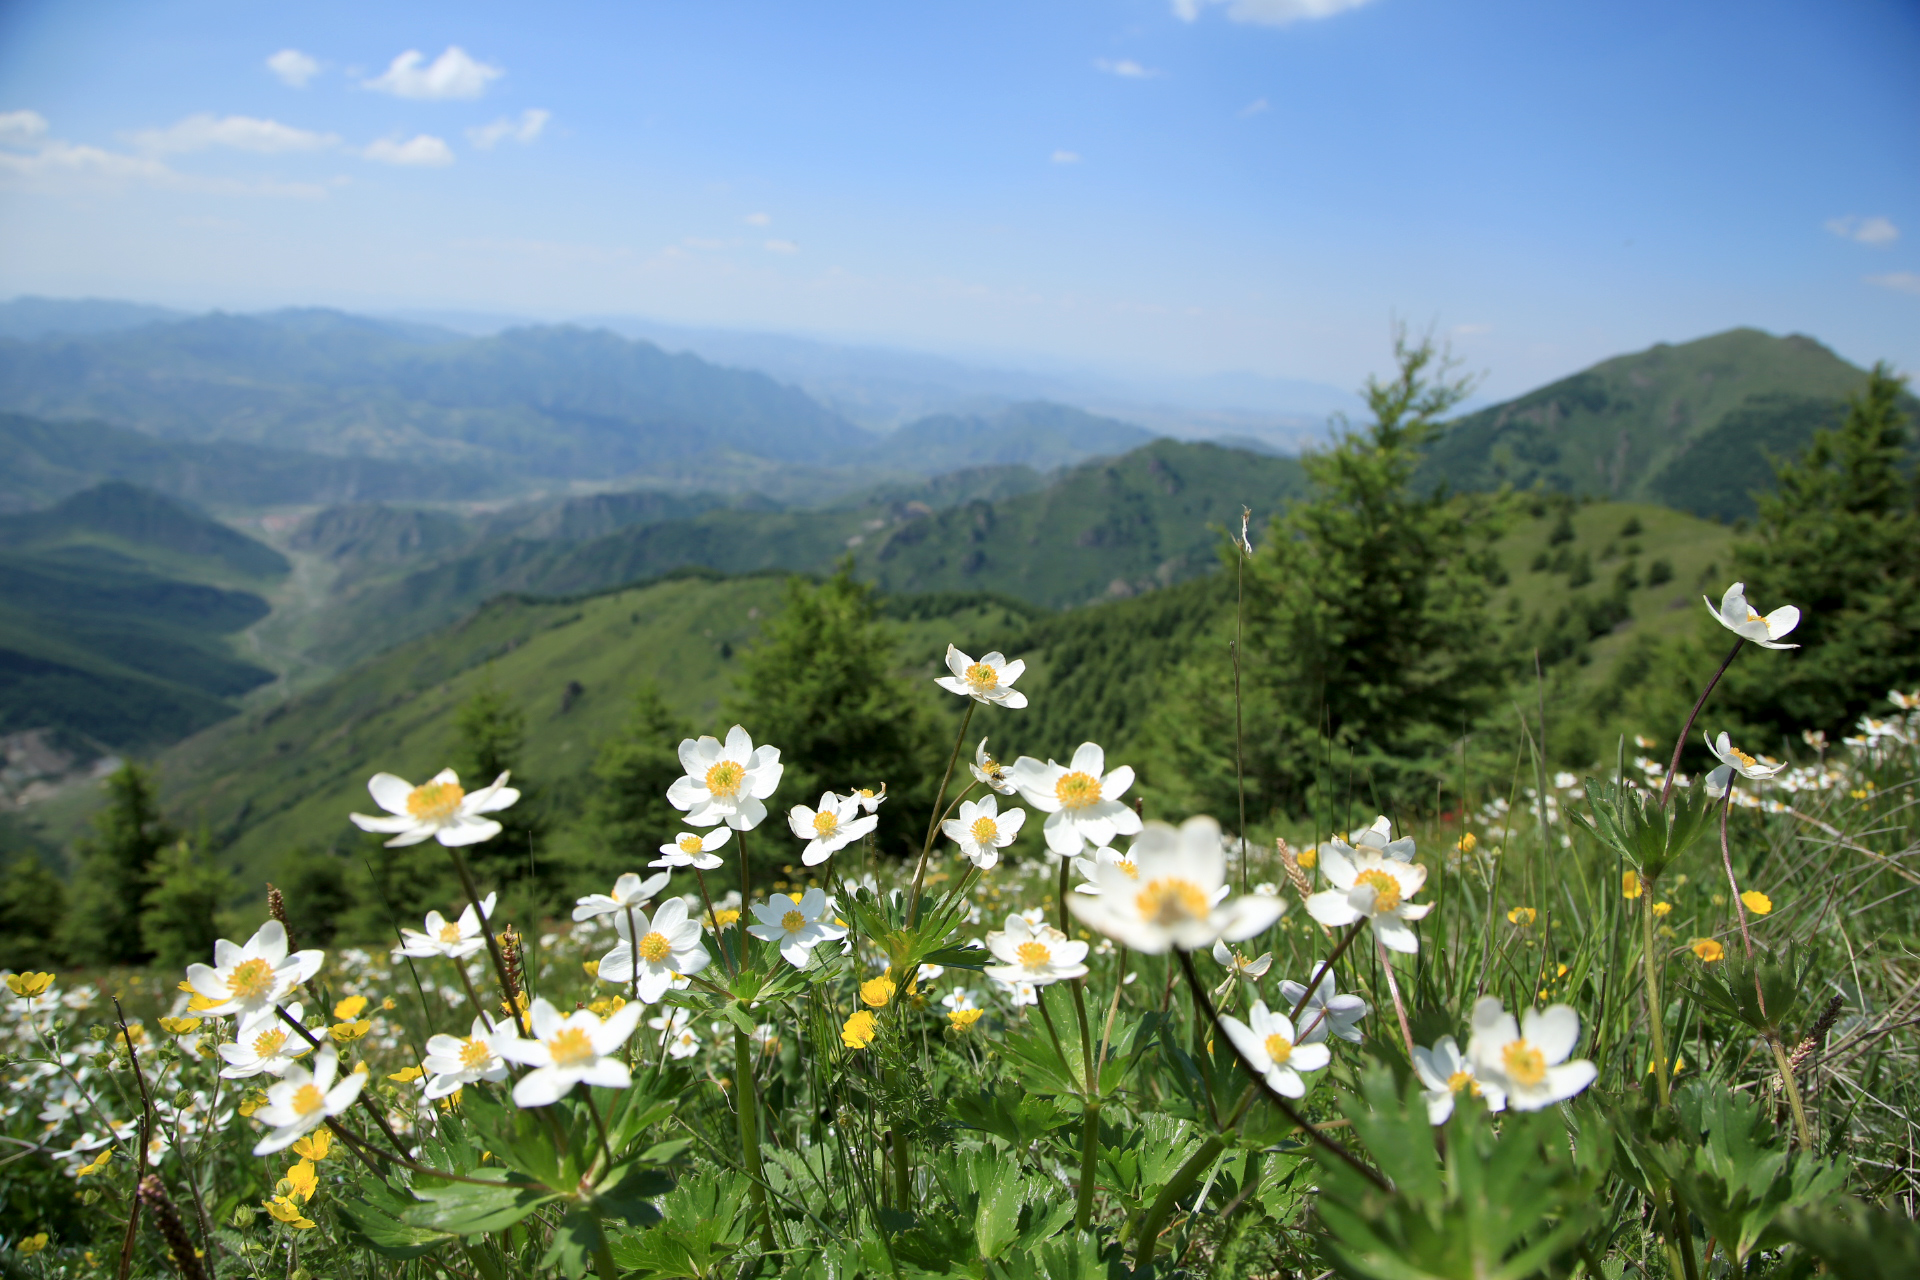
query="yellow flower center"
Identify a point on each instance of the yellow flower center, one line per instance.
(435, 801)
(1525, 1065)
(984, 830)
(1077, 790)
(691, 844)
(308, 1099)
(1034, 955)
(724, 779)
(1463, 1080)
(655, 947)
(824, 823)
(573, 1047)
(1279, 1048)
(1169, 901)
(475, 1053)
(865, 793)
(1127, 865)
(268, 1043)
(250, 980)
(1386, 890)
(1741, 756)
(450, 932)
(982, 677)
(793, 922)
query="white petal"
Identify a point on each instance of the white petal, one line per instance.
(1329, 907)
(543, 1087)
(390, 793)
(1553, 1030)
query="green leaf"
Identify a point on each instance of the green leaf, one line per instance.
(373, 1211)
(466, 1208)
(574, 1243)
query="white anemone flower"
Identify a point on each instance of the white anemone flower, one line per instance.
(1446, 1073)
(1326, 1012)
(690, 850)
(264, 1045)
(1019, 994)
(453, 940)
(681, 1039)
(1238, 966)
(1176, 895)
(988, 681)
(1733, 760)
(982, 831)
(1107, 856)
(1269, 1047)
(1527, 1062)
(1038, 955)
(628, 891)
(868, 799)
(301, 1101)
(438, 809)
(452, 1063)
(990, 772)
(1374, 838)
(830, 828)
(668, 949)
(1373, 887)
(797, 923)
(1081, 800)
(565, 1051)
(1737, 616)
(726, 783)
(246, 980)
(958, 999)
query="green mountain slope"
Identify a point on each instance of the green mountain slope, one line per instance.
(1035, 434)
(1676, 424)
(139, 525)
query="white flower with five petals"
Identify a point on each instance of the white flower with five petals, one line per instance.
(1106, 856)
(1737, 616)
(990, 772)
(1373, 887)
(1267, 1042)
(661, 949)
(1081, 800)
(565, 1051)
(453, 940)
(1326, 1012)
(1446, 1073)
(690, 850)
(452, 1063)
(435, 810)
(1039, 955)
(1175, 896)
(264, 1045)
(1527, 1061)
(830, 828)
(1733, 760)
(988, 681)
(982, 831)
(301, 1101)
(247, 980)
(797, 923)
(726, 782)
(629, 891)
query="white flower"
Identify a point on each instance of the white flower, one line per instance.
(989, 680)
(1370, 886)
(690, 850)
(1269, 1047)
(982, 831)
(264, 1045)
(1737, 616)
(726, 783)
(1325, 1012)
(830, 828)
(668, 947)
(570, 1050)
(797, 923)
(1039, 956)
(438, 809)
(1377, 838)
(868, 799)
(1445, 1071)
(1019, 993)
(1082, 806)
(455, 941)
(1733, 760)
(681, 1039)
(958, 999)
(1238, 966)
(1106, 856)
(628, 891)
(990, 772)
(257, 976)
(1528, 1062)
(452, 1063)
(1176, 897)
(300, 1102)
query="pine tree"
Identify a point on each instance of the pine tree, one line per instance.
(114, 872)
(628, 817)
(33, 905)
(1840, 538)
(177, 916)
(492, 733)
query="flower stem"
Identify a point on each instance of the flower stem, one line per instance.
(745, 898)
(1393, 989)
(1239, 762)
(493, 943)
(746, 1104)
(713, 916)
(1063, 895)
(1656, 1009)
(1325, 965)
(1673, 770)
(1182, 1182)
(1792, 1085)
(1090, 1123)
(933, 819)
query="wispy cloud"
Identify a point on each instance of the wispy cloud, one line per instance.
(454, 74)
(422, 151)
(21, 128)
(523, 130)
(1125, 67)
(1267, 13)
(1878, 232)
(1899, 281)
(34, 162)
(243, 133)
(293, 67)
(758, 220)
(782, 246)
(1066, 157)
(1255, 107)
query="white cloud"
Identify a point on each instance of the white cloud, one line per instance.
(782, 246)
(21, 128)
(523, 130)
(1066, 157)
(1255, 107)
(422, 150)
(1267, 13)
(454, 74)
(243, 133)
(758, 219)
(1878, 232)
(58, 166)
(1126, 67)
(293, 67)
(1900, 281)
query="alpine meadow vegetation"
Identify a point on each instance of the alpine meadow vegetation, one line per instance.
(858, 995)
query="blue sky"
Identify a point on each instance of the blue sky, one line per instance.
(1179, 185)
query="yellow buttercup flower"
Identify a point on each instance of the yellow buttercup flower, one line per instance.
(314, 1146)
(593, 970)
(876, 992)
(32, 1244)
(179, 1026)
(963, 1019)
(1757, 902)
(285, 1210)
(407, 1075)
(1660, 909)
(348, 1032)
(1630, 885)
(99, 1163)
(29, 985)
(1523, 916)
(253, 1102)
(1466, 843)
(1307, 858)
(1709, 951)
(349, 1009)
(858, 1031)
(300, 1183)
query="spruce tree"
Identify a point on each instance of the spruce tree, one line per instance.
(114, 871)
(33, 905)
(628, 816)
(177, 917)
(492, 733)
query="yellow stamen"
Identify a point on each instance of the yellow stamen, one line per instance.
(1169, 901)
(1077, 790)
(308, 1100)
(724, 779)
(1279, 1048)
(1386, 890)
(435, 801)
(981, 677)
(1741, 756)
(268, 1043)
(1034, 955)
(793, 922)
(250, 980)
(475, 1053)
(573, 1047)
(824, 823)
(984, 831)
(691, 845)
(450, 932)
(654, 947)
(1525, 1065)
(1460, 1080)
